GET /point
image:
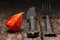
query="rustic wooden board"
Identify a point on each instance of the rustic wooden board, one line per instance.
(5, 34)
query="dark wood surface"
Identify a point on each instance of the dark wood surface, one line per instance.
(6, 34)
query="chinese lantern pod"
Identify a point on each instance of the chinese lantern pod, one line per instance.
(14, 23)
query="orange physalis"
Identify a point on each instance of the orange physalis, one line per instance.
(14, 23)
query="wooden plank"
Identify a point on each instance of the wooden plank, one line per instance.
(19, 37)
(22, 35)
(51, 38)
(9, 36)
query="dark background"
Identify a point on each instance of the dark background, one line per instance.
(10, 7)
(19, 4)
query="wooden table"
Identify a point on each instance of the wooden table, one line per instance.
(6, 34)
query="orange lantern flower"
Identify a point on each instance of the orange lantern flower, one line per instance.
(15, 22)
